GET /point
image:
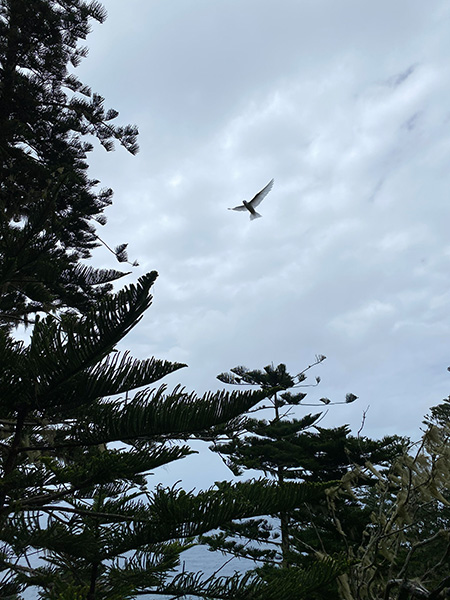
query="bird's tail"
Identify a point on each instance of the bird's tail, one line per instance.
(254, 215)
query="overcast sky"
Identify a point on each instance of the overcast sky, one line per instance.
(347, 106)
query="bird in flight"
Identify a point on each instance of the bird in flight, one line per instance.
(250, 206)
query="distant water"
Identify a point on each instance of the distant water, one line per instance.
(194, 560)
(198, 559)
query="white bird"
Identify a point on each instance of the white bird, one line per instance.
(250, 206)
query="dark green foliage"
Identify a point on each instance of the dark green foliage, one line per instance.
(287, 584)
(48, 204)
(439, 416)
(152, 412)
(67, 492)
(286, 449)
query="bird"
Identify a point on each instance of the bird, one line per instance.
(250, 206)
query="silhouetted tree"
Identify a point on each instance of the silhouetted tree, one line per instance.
(48, 204)
(286, 449)
(404, 553)
(70, 492)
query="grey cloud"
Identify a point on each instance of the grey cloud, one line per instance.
(398, 79)
(228, 94)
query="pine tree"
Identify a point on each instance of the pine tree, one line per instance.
(68, 491)
(287, 449)
(48, 204)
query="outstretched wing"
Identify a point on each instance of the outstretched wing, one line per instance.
(261, 195)
(240, 207)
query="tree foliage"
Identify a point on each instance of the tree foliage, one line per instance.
(49, 206)
(74, 461)
(286, 448)
(404, 552)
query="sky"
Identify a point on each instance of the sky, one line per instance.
(347, 106)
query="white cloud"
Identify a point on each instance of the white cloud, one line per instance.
(358, 323)
(346, 106)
